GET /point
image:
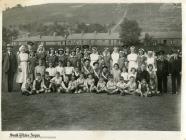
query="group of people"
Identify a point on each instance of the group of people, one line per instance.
(122, 70)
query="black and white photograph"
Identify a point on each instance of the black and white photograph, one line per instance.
(91, 66)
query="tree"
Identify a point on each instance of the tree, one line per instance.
(130, 32)
(8, 35)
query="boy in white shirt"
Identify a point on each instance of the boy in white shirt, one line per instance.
(51, 70)
(56, 82)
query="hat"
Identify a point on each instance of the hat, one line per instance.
(132, 47)
(140, 49)
(95, 63)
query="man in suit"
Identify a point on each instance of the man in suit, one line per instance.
(9, 68)
(162, 72)
(175, 70)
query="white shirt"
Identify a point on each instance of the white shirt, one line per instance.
(93, 58)
(60, 69)
(51, 71)
(56, 80)
(115, 57)
(125, 76)
(69, 70)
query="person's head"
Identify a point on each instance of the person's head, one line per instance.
(40, 61)
(133, 70)
(106, 49)
(94, 50)
(141, 51)
(60, 63)
(143, 81)
(61, 51)
(52, 51)
(116, 49)
(81, 75)
(9, 48)
(150, 53)
(68, 63)
(124, 69)
(67, 50)
(22, 49)
(87, 62)
(101, 79)
(57, 74)
(47, 75)
(96, 65)
(143, 67)
(132, 49)
(121, 54)
(77, 49)
(150, 67)
(105, 69)
(50, 64)
(90, 76)
(28, 80)
(161, 55)
(132, 79)
(38, 76)
(116, 66)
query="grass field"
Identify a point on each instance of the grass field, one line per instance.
(90, 112)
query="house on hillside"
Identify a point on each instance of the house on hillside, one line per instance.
(101, 39)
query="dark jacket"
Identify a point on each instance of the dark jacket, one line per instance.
(175, 65)
(162, 67)
(143, 75)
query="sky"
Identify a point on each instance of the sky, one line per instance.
(12, 3)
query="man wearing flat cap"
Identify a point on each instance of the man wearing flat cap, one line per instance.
(9, 67)
(162, 72)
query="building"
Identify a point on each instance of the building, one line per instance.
(101, 39)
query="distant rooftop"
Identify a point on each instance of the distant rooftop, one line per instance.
(101, 36)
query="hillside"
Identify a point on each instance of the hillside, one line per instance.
(151, 17)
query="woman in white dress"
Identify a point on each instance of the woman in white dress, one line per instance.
(115, 56)
(22, 73)
(94, 56)
(151, 59)
(132, 59)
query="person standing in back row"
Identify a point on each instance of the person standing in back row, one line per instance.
(9, 67)
(162, 72)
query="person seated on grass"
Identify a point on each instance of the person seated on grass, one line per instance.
(73, 85)
(46, 83)
(65, 88)
(133, 72)
(143, 88)
(131, 86)
(37, 84)
(76, 73)
(60, 68)
(90, 84)
(122, 86)
(101, 86)
(80, 83)
(111, 86)
(105, 73)
(56, 82)
(69, 69)
(153, 87)
(116, 72)
(51, 70)
(125, 74)
(27, 87)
